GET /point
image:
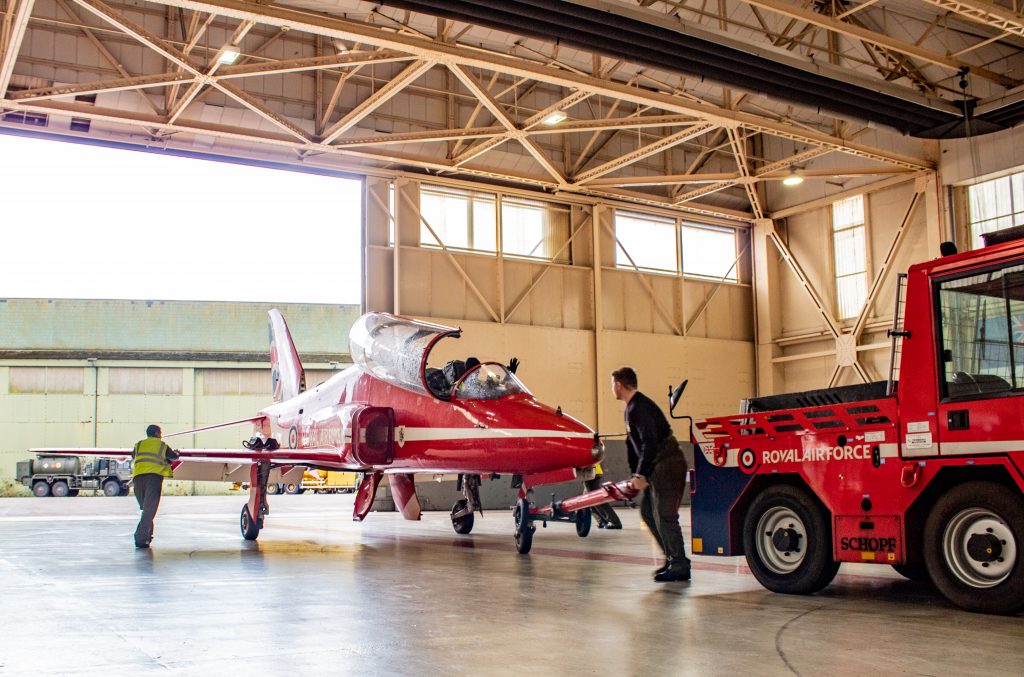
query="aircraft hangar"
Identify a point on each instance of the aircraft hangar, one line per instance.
(725, 193)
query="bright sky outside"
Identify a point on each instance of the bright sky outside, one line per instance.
(82, 221)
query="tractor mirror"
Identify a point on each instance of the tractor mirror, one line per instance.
(674, 394)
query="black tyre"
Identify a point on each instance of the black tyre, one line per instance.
(463, 524)
(41, 489)
(250, 530)
(60, 489)
(273, 488)
(524, 529)
(111, 488)
(913, 572)
(74, 492)
(293, 488)
(788, 541)
(583, 522)
(125, 489)
(974, 547)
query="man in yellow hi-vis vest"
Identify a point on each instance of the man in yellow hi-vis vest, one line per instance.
(152, 459)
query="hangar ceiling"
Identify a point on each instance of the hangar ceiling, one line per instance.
(830, 90)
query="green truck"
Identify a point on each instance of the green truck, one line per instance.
(51, 475)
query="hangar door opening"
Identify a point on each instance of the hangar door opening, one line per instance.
(95, 222)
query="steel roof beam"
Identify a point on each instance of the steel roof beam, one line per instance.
(15, 34)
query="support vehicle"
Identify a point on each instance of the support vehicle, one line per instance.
(50, 475)
(923, 472)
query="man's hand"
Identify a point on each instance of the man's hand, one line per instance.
(513, 364)
(638, 482)
(173, 455)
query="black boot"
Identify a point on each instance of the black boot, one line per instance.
(676, 570)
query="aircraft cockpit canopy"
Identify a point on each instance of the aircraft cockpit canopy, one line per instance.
(489, 381)
(395, 349)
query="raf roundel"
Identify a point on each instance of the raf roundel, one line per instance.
(748, 460)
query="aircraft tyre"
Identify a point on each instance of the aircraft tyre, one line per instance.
(583, 521)
(974, 547)
(463, 524)
(524, 529)
(248, 525)
(788, 542)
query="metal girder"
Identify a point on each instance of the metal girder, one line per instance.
(816, 19)
(346, 29)
(104, 52)
(502, 117)
(890, 256)
(987, 13)
(451, 258)
(527, 125)
(214, 64)
(17, 33)
(741, 162)
(378, 98)
(100, 86)
(646, 151)
(805, 282)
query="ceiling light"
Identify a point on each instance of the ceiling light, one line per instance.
(555, 118)
(793, 178)
(229, 54)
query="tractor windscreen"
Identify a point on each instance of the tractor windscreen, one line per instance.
(394, 349)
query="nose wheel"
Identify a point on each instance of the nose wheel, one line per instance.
(524, 526)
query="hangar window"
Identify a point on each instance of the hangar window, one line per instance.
(849, 255)
(709, 251)
(141, 381)
(49, 380)
(647, 241)
(236, 382)
(995, 205)
(534, 229)
(458, 219)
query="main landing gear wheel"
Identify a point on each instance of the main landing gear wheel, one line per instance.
(974, 547)
(788, 542)
(524, 529)
(583, 522)
(250, 530)
(111, 488)
(464, 523)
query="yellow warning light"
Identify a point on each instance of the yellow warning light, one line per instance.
(698, 545)
(867, 555)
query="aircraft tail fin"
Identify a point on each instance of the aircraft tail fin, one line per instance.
(288, 377)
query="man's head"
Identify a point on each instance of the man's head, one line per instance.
(153, 431)
(623, 383)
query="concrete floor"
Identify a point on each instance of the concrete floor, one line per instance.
(320, 594)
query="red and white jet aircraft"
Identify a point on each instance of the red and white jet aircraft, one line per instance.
(390, 414)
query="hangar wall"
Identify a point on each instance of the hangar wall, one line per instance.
(95, 373)
(571, 323)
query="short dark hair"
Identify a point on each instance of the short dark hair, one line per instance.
(153, 431)
(626, 376)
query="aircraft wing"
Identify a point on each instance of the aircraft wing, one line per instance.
(221, 465)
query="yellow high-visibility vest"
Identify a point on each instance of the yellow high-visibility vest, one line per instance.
(150, 456)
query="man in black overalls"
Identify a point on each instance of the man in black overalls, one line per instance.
(659, 470)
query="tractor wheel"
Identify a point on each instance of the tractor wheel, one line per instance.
(974, 547)
(788, 542)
